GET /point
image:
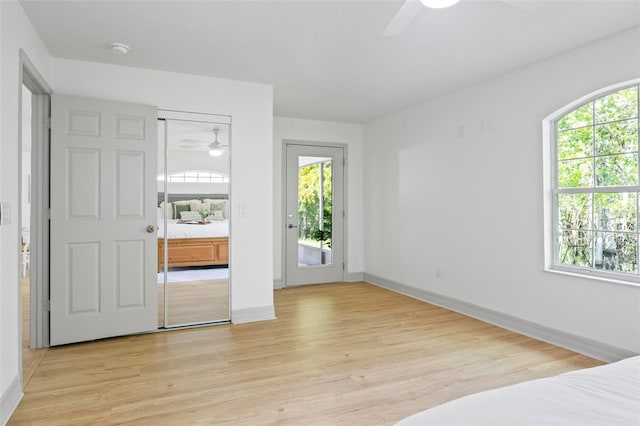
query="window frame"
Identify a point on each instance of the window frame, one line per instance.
(551, 191)
(222, 177)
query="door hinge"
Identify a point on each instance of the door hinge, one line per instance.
(48, 122)
(343, 266)
(47, 214)
(47, 306)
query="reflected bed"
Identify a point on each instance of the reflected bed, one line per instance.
(192, 244)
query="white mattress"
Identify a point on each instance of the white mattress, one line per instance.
(217, 228)
(605, 395)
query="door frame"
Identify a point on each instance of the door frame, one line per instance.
(39, 226)
(283, 201)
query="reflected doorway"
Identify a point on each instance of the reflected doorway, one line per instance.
(193, 219)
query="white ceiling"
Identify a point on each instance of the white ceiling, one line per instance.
(179, 130)
(327, 60)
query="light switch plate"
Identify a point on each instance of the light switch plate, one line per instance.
(5, 213)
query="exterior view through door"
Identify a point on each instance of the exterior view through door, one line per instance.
(314, 216)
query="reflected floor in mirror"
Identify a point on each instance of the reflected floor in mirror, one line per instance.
(178, 275)
(195, 295)
(195, 302)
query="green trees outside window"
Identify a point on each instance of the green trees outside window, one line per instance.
(314, 204)
(597, 184)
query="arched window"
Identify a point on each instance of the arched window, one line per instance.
(196, 176)
(595, 186)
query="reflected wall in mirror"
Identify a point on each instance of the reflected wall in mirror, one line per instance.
(193, 221)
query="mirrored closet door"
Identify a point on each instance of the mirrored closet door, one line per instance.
(193, 219)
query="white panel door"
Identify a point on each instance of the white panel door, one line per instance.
(314, 222)
(103, 219)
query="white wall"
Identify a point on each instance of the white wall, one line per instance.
(462, 216)
(251, 108)
(179, 161)
(16, 33)
(326, 132)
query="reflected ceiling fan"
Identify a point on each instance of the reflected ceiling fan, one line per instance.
(215, 148)
(411, 8)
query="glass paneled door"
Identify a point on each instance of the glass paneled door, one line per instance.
(314, 214)
(193, 219)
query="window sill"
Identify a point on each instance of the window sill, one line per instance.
(592, 275)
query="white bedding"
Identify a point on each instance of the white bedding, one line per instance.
(605, 395)
(217, 228)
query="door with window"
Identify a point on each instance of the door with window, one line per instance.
(314, 216)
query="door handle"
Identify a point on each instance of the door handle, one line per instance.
(151, 228)
(291, 226)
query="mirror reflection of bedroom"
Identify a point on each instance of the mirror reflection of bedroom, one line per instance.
(193, 221)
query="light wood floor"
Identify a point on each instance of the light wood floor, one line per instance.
(30, 358)
(194, 301)
(191, 302)
(340, 354)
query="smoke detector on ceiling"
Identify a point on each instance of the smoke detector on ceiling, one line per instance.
(119, 48)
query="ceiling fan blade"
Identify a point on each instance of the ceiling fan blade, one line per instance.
(194, 147)
(195, 141)
(403, 18)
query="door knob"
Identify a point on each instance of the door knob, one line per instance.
(291, 226)
(151, 228)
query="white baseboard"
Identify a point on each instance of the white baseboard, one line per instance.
(10, 399)
(355, 277)
(579, 344)
(350, 278)
(260, 313)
